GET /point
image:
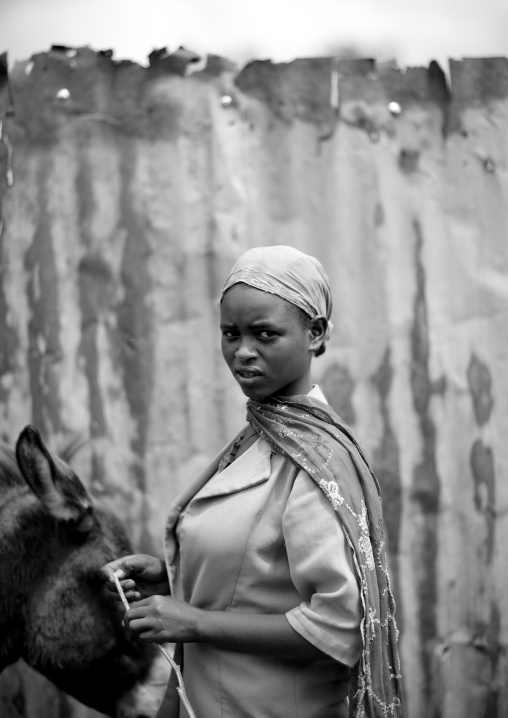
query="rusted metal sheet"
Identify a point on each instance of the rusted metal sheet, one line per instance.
(134, 190)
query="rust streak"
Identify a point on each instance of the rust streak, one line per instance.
(426, 483)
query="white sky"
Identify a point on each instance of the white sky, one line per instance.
(412, 33)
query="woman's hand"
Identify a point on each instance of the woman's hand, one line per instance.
(162, 619)
(140, 576)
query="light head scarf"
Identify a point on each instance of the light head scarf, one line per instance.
(288, 273)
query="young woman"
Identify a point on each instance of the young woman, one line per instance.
(275, 585)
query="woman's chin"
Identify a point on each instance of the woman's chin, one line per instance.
(253, 392)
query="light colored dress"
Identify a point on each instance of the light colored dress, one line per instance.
(261, 537)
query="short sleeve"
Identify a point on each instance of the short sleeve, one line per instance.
(322, 570)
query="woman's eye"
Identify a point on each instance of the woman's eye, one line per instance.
(266, 334)
(229, 334)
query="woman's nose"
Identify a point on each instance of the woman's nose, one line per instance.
(245, 351)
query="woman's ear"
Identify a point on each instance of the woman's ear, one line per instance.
(318, 328)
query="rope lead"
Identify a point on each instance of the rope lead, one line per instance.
(181, 688)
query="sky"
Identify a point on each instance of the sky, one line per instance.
(411, 33)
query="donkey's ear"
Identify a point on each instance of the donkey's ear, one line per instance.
(53, 481)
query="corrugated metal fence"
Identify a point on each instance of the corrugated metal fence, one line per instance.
(127, 193)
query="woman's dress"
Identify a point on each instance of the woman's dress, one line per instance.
(261, 537)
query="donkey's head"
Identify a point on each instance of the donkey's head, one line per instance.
(53, 612)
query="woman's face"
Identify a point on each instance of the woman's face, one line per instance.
(264, 343)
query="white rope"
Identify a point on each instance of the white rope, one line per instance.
(181, 688)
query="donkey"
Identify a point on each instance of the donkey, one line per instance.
(53, 612)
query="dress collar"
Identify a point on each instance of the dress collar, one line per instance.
(316, 393)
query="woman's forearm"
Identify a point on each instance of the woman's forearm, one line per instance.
(162, 619)
(254, 633)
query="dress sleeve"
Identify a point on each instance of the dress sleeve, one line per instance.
(322, 570)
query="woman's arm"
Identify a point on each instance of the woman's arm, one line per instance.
(256, 633)
(162, 619)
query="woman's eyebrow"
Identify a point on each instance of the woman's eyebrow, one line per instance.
(263, 323)
(256, 324)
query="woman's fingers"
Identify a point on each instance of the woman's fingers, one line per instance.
(142, 625)
(138, 625)
(115, 567)
(140, 575)
(132, 596)
(124, 567)
(140, 609)
(129, 588)
(146, 617)
(159, 619)
(128, 585)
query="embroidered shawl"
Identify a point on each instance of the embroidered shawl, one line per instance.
(311, 434)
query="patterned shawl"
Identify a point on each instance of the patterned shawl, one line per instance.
(310, 433)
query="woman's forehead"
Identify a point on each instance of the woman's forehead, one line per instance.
(241, 301)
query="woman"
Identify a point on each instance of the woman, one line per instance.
(275, 581)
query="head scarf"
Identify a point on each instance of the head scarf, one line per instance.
(290, 274)
(312, 435)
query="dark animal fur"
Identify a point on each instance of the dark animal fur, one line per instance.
(52, 610)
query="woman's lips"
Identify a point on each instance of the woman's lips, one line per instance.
(248, 376)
